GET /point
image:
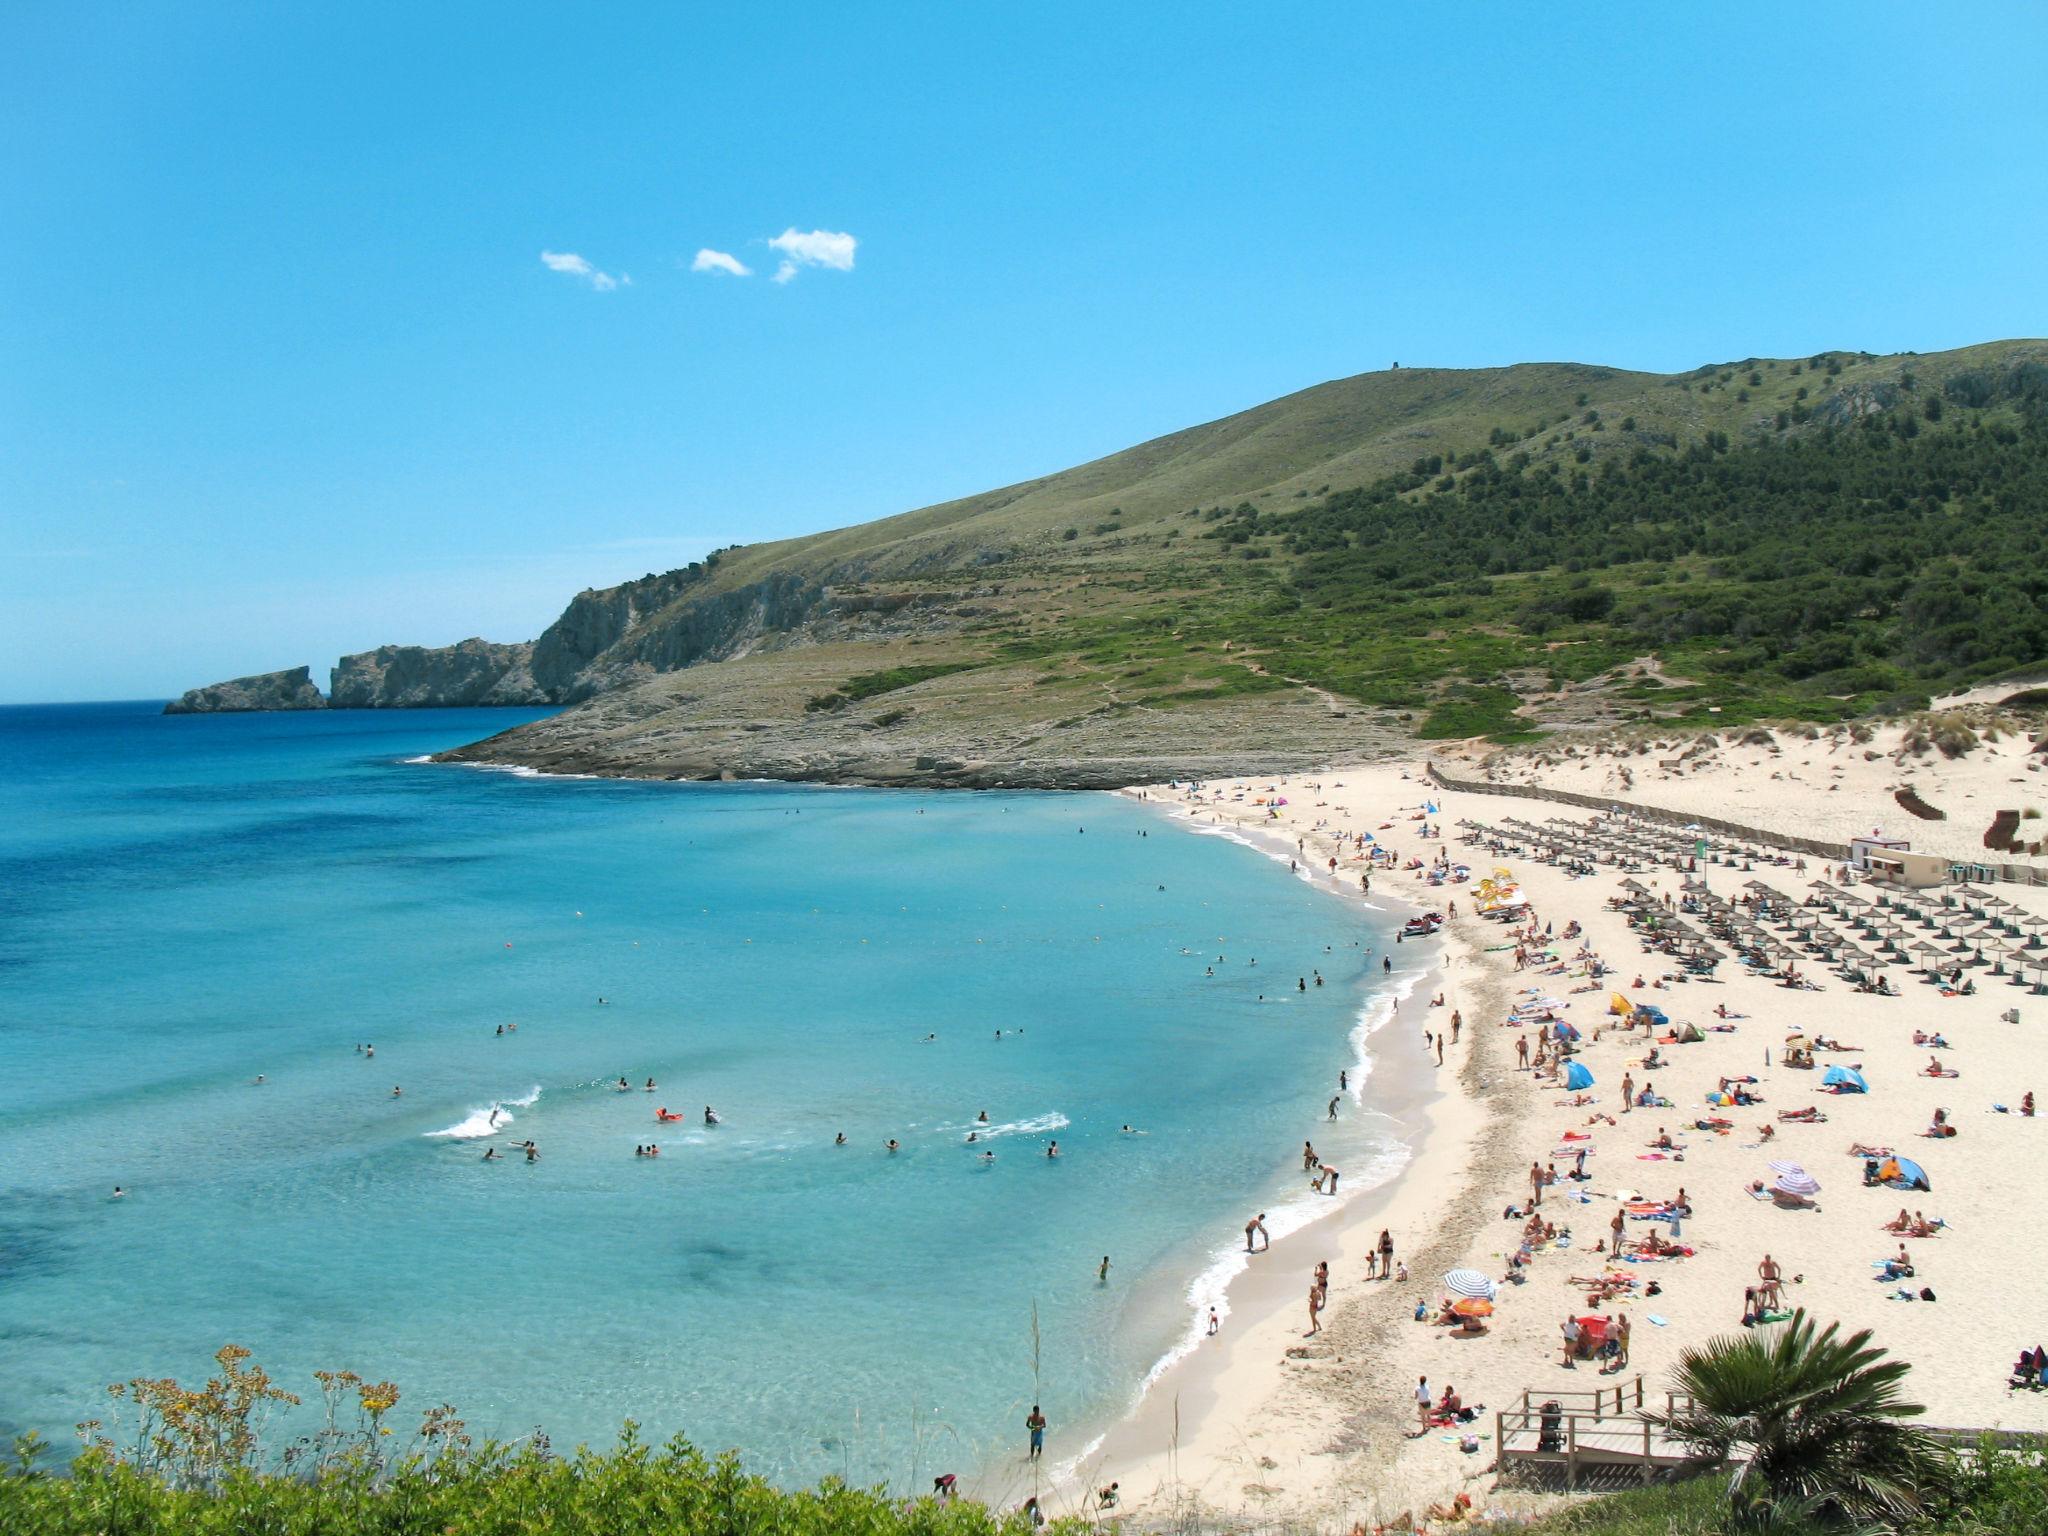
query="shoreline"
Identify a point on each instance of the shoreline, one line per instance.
(1188, 1429)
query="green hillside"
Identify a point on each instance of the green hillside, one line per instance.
(1449, 552)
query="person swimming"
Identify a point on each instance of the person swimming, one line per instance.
(490, 1154)
(1052, 1149)
(982, 1118)
(892, 1144)
(839, 1140)
(650, 1086)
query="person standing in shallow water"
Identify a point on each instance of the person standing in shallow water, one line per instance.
(1034, 1424)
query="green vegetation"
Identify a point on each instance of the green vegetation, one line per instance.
(866, 685)
(192, 1463)
(1813, 1418)
(1815, 1422)
(1817, 575)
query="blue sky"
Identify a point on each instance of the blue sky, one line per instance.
(283, 372)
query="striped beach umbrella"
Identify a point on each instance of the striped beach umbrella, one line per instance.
(1794, 1180)
(1470, 1282)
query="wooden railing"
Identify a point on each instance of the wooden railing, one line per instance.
(1603, 1426)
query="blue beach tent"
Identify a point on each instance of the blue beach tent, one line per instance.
(1848, 1079)
(1576, 1076)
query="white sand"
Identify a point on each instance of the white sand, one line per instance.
(1267, 1424)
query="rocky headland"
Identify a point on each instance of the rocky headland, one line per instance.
(290, 689)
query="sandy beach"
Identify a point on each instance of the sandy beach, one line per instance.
(1266, 1424)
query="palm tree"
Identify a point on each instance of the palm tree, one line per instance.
(1815, 1420)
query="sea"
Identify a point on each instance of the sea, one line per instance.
(283, 982)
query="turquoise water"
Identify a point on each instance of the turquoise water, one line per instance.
(188, 902)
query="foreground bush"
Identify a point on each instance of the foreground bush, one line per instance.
(631, 1491)
(192, 1461)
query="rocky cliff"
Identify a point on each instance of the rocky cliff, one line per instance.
(290, 689)
(422, 677)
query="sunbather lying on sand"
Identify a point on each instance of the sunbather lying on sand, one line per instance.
(1803, 1116)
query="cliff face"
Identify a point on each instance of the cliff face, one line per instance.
(422, 677)
(290, 689)
(603, 640)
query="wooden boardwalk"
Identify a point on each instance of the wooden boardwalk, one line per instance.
(1581, 1434)
(1602, 1437)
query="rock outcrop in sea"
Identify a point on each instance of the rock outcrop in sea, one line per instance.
(290, 689)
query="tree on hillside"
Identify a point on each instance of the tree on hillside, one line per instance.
(1814, 1421)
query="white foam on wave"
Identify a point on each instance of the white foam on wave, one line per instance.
(1036, 1125)
(490, 1120)
(523, 771)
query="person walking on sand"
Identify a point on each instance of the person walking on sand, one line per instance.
(1386, 1246)
(1521, 1053)
(1214, 1324)
(1315, 1307)
(1034, 1424)
(1256, 1227)
(1421, 1406)
(1628, 1091)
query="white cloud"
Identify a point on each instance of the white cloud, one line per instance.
(709, 260)
(569, 264)
(818, 248)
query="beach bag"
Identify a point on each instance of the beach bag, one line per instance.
(1927, 1293)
